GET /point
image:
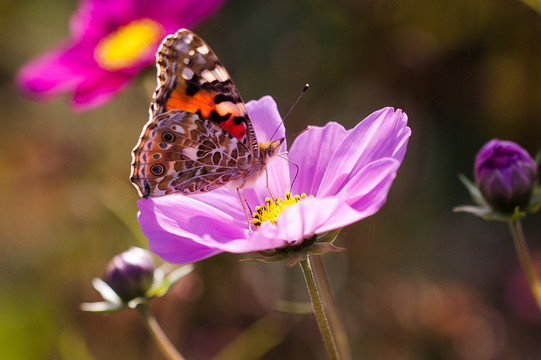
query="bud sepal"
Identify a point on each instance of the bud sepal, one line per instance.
(483, 209)
(318, 244)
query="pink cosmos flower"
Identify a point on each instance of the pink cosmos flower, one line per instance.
(348, 173)
(110, 42)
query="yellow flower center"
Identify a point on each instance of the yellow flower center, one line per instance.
(273, 208)
(128, 44)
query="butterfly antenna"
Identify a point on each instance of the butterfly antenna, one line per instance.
(296, 101)
(292, 107)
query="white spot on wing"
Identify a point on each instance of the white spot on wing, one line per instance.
(208, 75)
(178, 129)
(187, 38)
(221, 74)
(203, 50)
(187, 73)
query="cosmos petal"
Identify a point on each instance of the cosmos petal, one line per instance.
(367, 190)
(269, 125)
(178, 238)
(382, 134)
(311, 153)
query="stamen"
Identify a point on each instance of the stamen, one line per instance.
(273, 208)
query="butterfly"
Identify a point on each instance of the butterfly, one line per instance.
(199, 136)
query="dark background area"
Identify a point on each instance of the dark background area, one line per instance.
(417, 281)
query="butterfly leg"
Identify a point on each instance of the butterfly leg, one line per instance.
(246, 208)
(267, 181)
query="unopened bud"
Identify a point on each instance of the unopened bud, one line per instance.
(131, 273)
(505, 174)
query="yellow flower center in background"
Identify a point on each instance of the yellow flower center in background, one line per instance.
(128, 44)
(273, 208)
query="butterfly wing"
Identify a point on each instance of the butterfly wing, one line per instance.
(181, 152)
(192, 78)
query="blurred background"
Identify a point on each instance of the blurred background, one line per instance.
(417, 281)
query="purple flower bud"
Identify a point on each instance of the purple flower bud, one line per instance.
(131, 273)
(505, 174)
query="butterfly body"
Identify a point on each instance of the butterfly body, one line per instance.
(199, 136)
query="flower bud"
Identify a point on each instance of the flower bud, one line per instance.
(131, 273)
(505, 174)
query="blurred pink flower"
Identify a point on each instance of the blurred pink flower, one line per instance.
(348, 172)
(110, 42)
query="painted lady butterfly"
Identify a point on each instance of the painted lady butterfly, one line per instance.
(199, 136)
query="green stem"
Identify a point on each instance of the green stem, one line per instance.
(330, 308)
(319, 311)
(165, 346)
(526, 260)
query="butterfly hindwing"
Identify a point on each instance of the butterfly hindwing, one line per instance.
(181, 152)
(192, 78)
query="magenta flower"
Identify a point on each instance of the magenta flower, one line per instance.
(345, 174)
(111, 41)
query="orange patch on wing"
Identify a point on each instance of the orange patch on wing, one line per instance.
(203, 102)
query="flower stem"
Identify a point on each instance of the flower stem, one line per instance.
(319, 311)
(335, 322)
(525, 259)
(165, 346)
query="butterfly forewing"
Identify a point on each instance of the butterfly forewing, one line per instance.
(192, 78)
(199, 136)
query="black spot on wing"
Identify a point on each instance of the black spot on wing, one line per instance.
(217, 118)
(220, 98)
(226, 91)
(192, 87)
(239, 120)
(146, 189)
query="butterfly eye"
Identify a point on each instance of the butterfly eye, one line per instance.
(157, 169)
(168, 137)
